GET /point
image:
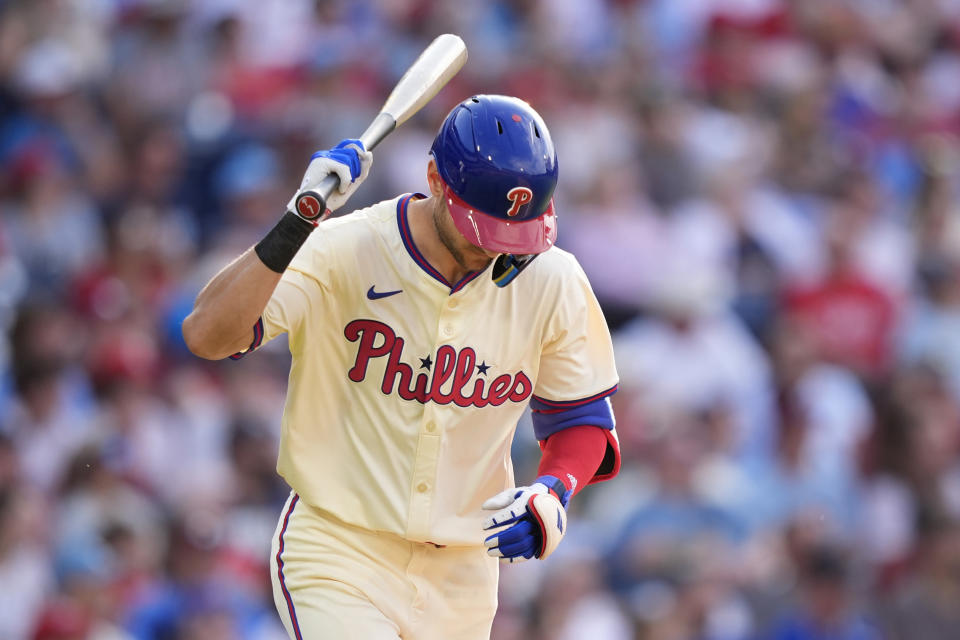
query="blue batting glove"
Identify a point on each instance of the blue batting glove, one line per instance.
(349, 161)
(531, 520)
(346, 152)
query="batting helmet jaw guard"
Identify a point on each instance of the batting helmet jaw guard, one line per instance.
(499, 170)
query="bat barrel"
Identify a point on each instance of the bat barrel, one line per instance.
(439, 62)
(426, 76)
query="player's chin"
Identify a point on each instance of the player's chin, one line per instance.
(480, 263)
(479, 258)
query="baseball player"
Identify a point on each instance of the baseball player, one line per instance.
(420, 329)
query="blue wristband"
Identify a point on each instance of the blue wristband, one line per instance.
(556, 487)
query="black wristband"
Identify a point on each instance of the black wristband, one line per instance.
(278, 247)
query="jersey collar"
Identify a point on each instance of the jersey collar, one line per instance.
(405, 234)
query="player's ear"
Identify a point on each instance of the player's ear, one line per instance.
(434, 179)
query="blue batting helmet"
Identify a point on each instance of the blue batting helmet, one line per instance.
(499, 169)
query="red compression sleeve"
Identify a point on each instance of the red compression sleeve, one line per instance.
(577, 451)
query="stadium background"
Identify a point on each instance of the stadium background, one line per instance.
(763, 192)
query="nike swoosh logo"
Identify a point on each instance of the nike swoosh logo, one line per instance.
(373, 295)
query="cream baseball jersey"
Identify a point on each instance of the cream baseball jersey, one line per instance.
(405, 390)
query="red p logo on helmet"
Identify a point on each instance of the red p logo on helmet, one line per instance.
(519, 196)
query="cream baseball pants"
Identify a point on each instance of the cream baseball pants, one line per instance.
(334, 581)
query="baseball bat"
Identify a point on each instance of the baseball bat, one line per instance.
(426, 76)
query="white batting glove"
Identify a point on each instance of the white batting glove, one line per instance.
(531, 520)
(349, 161)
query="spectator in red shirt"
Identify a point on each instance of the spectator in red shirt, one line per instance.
(850, 318)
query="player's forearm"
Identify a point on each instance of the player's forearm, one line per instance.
(223, 316)
(573, 455)
(221, 323)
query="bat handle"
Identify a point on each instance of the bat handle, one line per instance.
(381, 126)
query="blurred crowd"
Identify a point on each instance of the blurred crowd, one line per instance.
(764, 194)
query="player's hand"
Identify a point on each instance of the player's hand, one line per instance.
(530, 520)
(349, 161)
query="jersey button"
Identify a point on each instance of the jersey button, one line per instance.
(422, 487)
(447, 330)
(431, 427)
(453, 304)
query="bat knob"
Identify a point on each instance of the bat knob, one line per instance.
(310, 205)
